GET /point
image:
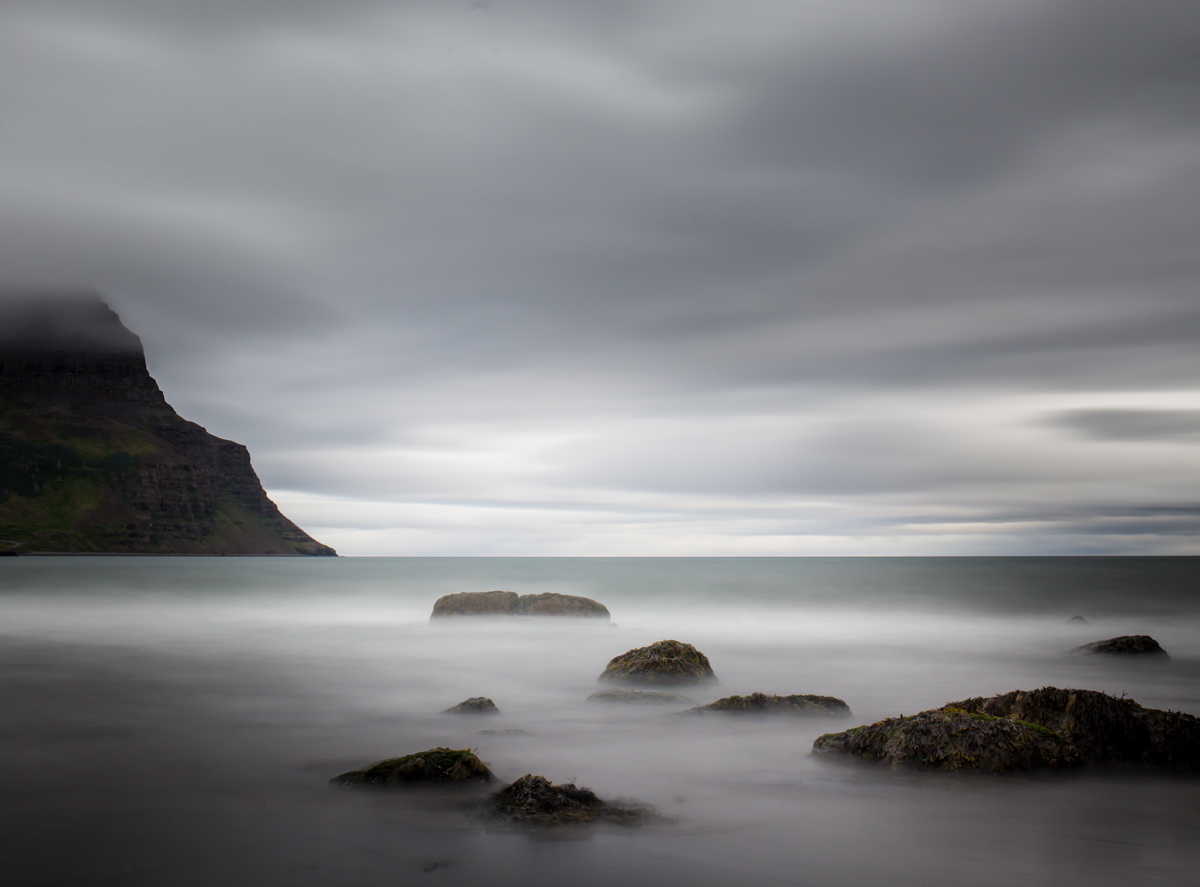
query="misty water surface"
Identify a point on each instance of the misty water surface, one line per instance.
(175, 720)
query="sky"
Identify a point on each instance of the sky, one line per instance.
(655, 278)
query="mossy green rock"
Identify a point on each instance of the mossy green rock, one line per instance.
(1104, 728)
(437, 765)
(536, 800)
(639, 697)
(761, 703)
(953, 739)
(665, 663)
(476, 705)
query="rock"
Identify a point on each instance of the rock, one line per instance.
(509, 603)
(760, 703)
(476, 603)
(1105, 729)
(534, 799)
(502, 733)
(438, 765)
(1131, 643)
(663, 663)
(1077, 620)
(476, 705)
(640, 697)
(954, 739)
(551, 603)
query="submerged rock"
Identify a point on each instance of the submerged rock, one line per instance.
(640, 697)
(954, 739)
(760, 703)
(509, 603)
(476, 705)
(437, 765)
(1130, 643)
(1077, 620)
(664, 662)
(535, 799)
(1105, 729)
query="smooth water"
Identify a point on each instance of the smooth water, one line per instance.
(174, 721)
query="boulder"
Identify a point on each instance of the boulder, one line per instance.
(640, 697)
(476, 705)
(664, 663)
(1137, 644)
(475, 603)
(954, 739)
(437, 765)
(1077, 620)
(534, 799)
(552, 603)
(1105, 729)
(509, 603)
(760, 703)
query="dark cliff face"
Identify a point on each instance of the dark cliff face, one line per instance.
(93, 458)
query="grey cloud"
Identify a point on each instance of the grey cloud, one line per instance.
(1123, 425)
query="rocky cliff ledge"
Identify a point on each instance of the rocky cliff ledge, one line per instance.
(93, 458)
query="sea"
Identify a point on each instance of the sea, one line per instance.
(176, 721)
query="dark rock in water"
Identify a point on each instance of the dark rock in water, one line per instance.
(640, 697)
(437, 765)
(476, 603)
(1105, 729)
(7, 552)
(509, 603)
(1130, 643)
(476, 705)
(760, 703)
(553, 604)
(502, 733)
(534, 799)
(663, 663)
(1077, 620)
(954, 739)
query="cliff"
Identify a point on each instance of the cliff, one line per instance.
(94, 459)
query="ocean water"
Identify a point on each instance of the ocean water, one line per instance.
(174, 721)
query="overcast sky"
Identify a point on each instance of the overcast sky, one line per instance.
(644, 278)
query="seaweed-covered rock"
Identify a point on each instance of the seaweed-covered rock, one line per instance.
(761, 703)
(436, 765)
(640, 697)
(664, 663)
(476, 705)
(1104, 728)
(1136, 644)
(509, 603)
(535, 799)
(954, 739)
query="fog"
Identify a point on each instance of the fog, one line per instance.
(179, 721)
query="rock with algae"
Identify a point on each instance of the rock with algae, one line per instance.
(954, 739)
(664, 663)
(640, 697)
(437, 765)
(534, 799)
(509, 603)
(1105, 729)
(761, 703)
(476, 705)
(1130, 644)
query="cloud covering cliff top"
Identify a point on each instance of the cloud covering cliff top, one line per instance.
(643, 278)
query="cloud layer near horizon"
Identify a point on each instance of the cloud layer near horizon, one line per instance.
(643, 278)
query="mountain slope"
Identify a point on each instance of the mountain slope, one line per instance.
(93, 458)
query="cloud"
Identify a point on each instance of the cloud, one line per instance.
(838, 261)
